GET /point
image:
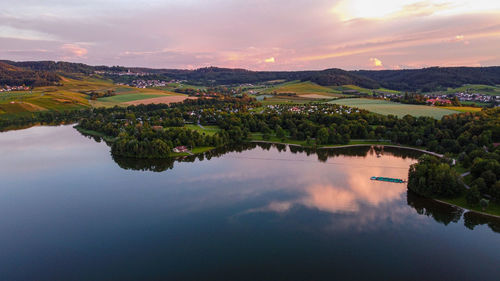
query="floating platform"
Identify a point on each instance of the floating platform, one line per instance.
(387, 179)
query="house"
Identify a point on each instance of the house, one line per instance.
(180, 149)
(157, 128)
(441, 101)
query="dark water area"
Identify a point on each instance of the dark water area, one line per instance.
(69, 210)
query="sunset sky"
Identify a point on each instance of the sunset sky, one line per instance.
(254, 34)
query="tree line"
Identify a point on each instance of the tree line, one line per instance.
(151, 131)
(416, 80)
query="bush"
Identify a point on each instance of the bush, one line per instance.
(484, 203)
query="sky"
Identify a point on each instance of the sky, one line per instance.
(254, 34)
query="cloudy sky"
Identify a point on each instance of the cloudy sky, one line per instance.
(254, 34)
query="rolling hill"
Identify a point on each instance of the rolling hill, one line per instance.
(423, 80)
(433, 78)
(14, 76)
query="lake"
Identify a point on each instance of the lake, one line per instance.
(71, 211)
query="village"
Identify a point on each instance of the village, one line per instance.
(446, 99)
(474, 97)
(141, 83)
(7, 88)
(309, 109)
(122, 73)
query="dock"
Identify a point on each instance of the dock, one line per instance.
(388, 179)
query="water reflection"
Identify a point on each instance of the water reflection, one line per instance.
(446, 214)
(160, 165)
(250, 209)
(349, 196)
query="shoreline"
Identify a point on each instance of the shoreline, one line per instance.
(466, 209)
(355, 145)
(298, 145)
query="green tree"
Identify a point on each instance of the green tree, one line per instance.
(472, 196)
(322, 136)
(280, 133)
(484, 203)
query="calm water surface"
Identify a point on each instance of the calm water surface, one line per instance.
(69, 211)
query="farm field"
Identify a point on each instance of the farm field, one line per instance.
(72, 94)
(157, 99)
(463, 108)
(398, 109)
(303, 88)
(174, 86)
(362, 90)
(40, 99)
(291, 100)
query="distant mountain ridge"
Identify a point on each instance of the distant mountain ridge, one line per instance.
(425, 79)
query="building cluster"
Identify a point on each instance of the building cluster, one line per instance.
(438, 100)
(141, 83)
(205, 95)
(7, 88)
(121, 73)
(476, 97)
(326, 109)
(446, 98)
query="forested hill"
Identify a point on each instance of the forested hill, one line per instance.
(210, 75)
(433, 78)
(339, 77)
(14, 76)
(425, 80)
(60, 66)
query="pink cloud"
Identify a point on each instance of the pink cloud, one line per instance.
(298, 34)
(73, 50)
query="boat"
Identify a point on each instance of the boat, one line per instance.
(388, 179)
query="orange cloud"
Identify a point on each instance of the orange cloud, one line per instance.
(73, 50)
(269, 60)
(376, 62)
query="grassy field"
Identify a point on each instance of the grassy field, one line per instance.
(342, 88)
(173, 86)
(303, 88)
(291, 100)
(201, 149)
(493, 208)
(209, 130)
(305, 92)
(128, 97)
(398, 109)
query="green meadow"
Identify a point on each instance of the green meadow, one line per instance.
(387, 107)
(209, 130)
(302, 88)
